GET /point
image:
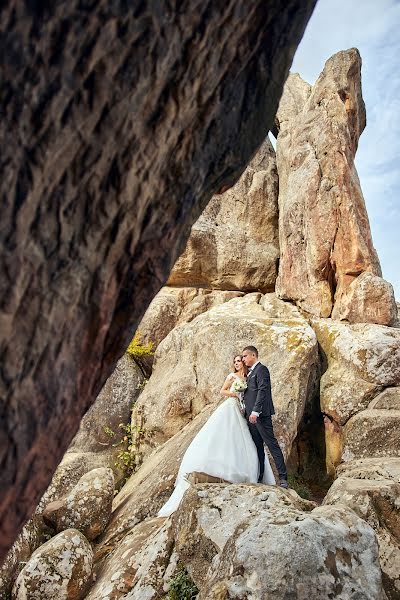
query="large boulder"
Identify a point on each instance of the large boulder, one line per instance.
(98, 440)
(31, 537)
(371, 487)
(61, 569)
(119, 122)
(240, 541)
(368, 299)
(193, 360)
(389, 399)
(91, 449)
(139, 563)
(112, 406)
(324, 234)
(260, 543)
(359, 361)
(372, 433)
(174, 306)
(87, 507)
(234, 244)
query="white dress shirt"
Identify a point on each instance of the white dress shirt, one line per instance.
(253, 412)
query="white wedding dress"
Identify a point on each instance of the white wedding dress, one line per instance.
(223, 448)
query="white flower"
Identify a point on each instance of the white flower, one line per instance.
(239, 386)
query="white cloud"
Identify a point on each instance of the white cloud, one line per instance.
(372, 27)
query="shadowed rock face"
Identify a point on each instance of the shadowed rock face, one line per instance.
(234, 244)
(119, 121)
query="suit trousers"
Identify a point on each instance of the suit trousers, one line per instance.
(263, 432)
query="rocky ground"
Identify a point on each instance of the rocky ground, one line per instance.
(325, 323)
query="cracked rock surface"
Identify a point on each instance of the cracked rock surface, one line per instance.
(324, 233)
(191, 364)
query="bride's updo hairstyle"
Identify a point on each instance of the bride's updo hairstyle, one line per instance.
(242, 367)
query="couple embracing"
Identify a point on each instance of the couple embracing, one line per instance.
(230, 446)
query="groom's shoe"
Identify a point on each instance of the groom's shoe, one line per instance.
(260, 479)
(284, 484)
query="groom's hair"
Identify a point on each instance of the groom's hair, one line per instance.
(251, 349)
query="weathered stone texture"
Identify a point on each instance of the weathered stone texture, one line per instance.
(360, 360)
(234, 244)
(119, 122)
(324, 234)
(371, 487)
(87, 507)
(61, 569)
(148, 489)
(192, 362)
(174, 306)
(368, 299)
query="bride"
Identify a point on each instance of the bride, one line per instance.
(223, 448)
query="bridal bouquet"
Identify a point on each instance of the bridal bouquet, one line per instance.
(239, 386)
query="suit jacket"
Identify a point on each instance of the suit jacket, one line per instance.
(258, 396)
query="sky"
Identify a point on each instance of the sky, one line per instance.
(373, 27)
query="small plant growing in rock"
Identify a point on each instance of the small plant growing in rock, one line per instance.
(182, 586)
(128, 458)
(297, 483)
(137, 349)
(124, 459)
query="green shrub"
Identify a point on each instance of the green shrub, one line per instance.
(181, 586)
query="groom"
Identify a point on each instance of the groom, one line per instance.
(259, 409)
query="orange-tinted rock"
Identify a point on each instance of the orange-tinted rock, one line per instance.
(324, 233)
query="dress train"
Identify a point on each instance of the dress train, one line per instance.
(223, 448)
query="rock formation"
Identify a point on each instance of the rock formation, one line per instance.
(359, 362)
(61, 569)
(193, 360)
(371, 488)
(90, 450)
(324, 234)
(176, 305)
(234, 244)
(118, 124)
(242, 541)
(87, 507)
(368, 299)
(334, 377)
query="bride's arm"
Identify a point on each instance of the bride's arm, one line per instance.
(225, 391)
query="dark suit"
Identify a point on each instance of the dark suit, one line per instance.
(258, 398)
